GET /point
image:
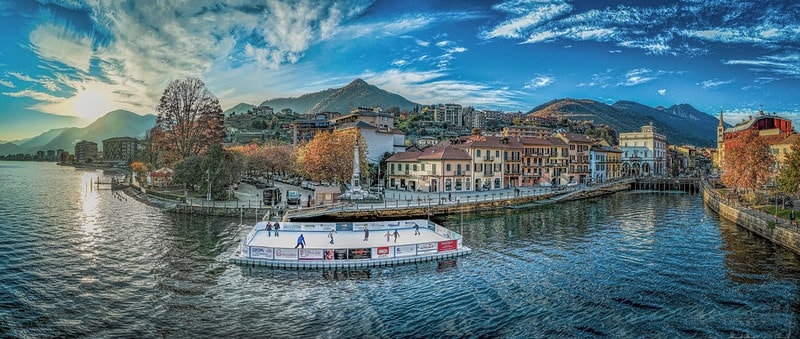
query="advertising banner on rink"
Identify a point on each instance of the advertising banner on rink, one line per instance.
(405, 250)
(261, 252)
(428, 247)
(285, 254)
(359, 253)
(383, 252)
(344, 226)
(310, 254)
(328, 254)
(447, 245)
(340, 254)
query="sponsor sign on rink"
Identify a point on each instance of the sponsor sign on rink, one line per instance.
(340, 254)
(310, 254)
(344, 226)
(405, 251)
(447, 245)
(383, 252)
(428, 247)
(261, 252)
(285, 254)
(359, 253)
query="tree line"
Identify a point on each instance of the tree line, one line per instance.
(188, 138)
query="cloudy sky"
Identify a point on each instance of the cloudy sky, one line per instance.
(65, 63)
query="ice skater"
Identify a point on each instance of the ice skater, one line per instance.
(330, 235)
(388, 235)
(416, 229)
(396, 234)
(366, 234)
(301, 241)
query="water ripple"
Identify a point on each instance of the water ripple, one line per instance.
(83, 263)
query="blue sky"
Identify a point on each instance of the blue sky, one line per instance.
(65, 63)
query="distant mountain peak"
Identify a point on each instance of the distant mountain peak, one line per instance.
(358, 93)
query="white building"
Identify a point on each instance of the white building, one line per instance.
(644, 152)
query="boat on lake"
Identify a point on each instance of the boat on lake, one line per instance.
(347, 244)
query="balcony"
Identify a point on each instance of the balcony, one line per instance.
(488, 158)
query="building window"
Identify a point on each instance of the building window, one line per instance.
(391, 170)
(468, 165)
(478, 153)
(415, 167)
(448, 168)
(496, 153)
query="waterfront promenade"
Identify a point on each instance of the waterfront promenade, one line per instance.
(396, 203)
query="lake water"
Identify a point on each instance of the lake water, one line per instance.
(81, 262)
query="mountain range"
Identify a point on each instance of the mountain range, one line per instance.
(119, 123)
(357, 93)
(682, 123)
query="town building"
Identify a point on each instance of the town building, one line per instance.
(120, 150)
(450, 114)
(86, 152)
(644, 153)
(769, 127)
(306, 129)
(486, 153)
(376, 129)
(536, 166)
(579, 157)
(263, 111)
(434, 169)
(528, 131)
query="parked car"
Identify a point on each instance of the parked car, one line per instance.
(271, 195)
(293, 198)
(572, 184)
(546, 184)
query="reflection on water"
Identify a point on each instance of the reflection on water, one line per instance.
(83, 262)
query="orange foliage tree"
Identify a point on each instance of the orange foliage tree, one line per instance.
(268, 158)
(139, 168)
(748, 166)
(329, 156)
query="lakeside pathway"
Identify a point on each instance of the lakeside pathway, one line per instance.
(396, 203)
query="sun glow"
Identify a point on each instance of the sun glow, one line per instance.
(91, 103)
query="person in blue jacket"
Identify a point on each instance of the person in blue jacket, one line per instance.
(301, 241)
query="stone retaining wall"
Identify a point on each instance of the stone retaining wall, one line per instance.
(757, 222)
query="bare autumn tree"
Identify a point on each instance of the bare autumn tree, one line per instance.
(748, 166)
(189, 120)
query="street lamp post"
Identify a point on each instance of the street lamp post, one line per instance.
(208, 179)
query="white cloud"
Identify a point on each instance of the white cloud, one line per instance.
(61, 44)
(532, 15)
(399, 62)
(637, 77)
(662, 92)
(7, 83)
(39, 96)
(539, 82)
(785, 64)
(711, 84)
(432, 86)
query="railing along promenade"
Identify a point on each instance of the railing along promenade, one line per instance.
(769, 226)
(424, 204)
(405, 204)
